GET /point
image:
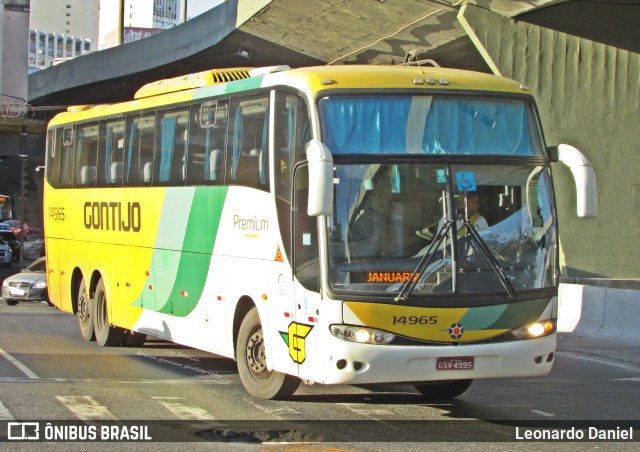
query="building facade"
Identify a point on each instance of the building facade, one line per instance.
(137, 19)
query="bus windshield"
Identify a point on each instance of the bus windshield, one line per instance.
(388, 216)
(420, 124)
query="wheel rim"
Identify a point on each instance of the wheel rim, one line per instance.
(255, 354)
(83, 308)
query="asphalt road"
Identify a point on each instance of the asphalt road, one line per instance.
(48, 373)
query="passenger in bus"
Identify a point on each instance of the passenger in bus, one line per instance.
(473, 212)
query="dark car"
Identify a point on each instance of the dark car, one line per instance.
(13, 242)
(15, 227)
(29, 285)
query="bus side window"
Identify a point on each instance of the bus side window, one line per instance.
(86, 145)
(54, 151)
(66, 158)
(305, 254)
(247, 159)
(111, 153)
(138, 160)
(207, 142)
(292, 132)
(170, 166)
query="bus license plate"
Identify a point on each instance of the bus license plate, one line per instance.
(455, 363)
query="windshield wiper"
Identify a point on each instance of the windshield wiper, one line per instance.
(495, 266)
(410, 284)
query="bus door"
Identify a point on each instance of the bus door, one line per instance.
(306, 268)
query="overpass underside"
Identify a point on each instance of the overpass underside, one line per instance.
(272, 32)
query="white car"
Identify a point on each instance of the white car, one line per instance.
(6, 255)
(28, 285)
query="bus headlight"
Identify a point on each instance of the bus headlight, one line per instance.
(361, 334)
(536, 329)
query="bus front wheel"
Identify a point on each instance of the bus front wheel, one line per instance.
(106, 335)
(85, 319)
(443, 389)
(252, 366)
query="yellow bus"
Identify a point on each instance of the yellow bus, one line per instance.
(318, 224)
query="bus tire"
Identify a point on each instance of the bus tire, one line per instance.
(443, 389)
(252, 367)
(106, 335)
(85, 310)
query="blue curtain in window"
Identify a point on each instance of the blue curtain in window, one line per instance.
(477, 127)
(291, 136)
(132, 137)
(207, 147)
(107, 157)
(167, 140)
(79, 143)
(237, 141)
(265, 151)
(366, 125)
(356, 125)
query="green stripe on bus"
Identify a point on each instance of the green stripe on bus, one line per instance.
(194, 258)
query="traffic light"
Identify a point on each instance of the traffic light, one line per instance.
(24, 179)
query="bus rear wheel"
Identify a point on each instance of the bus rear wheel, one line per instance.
(106, 335)
(444, 389)
(85, 308)
(252, 367)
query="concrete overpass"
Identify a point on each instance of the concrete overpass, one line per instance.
(269, 32)
(580, 58)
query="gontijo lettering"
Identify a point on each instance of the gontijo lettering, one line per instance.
(113, 216)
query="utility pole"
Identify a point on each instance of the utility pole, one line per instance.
(23, 174)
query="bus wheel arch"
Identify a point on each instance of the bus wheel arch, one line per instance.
(251, 360)
(244, 305)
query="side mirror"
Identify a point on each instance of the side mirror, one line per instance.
(320, 179)
(584, 177)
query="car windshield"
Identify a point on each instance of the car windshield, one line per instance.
(38, 266)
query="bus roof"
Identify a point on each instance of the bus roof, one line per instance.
(400, 77)
(315, 79)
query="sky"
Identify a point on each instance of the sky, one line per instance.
(197, 7)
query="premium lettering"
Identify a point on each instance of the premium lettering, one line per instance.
(250, 224)
(113, 216)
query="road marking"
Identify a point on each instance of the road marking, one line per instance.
(86, 408)
(116, 381)
(184, 412)
(603, 360)
(543, 413)
(24, 369)
(5, 415)
(627, 379)
(366, 409)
